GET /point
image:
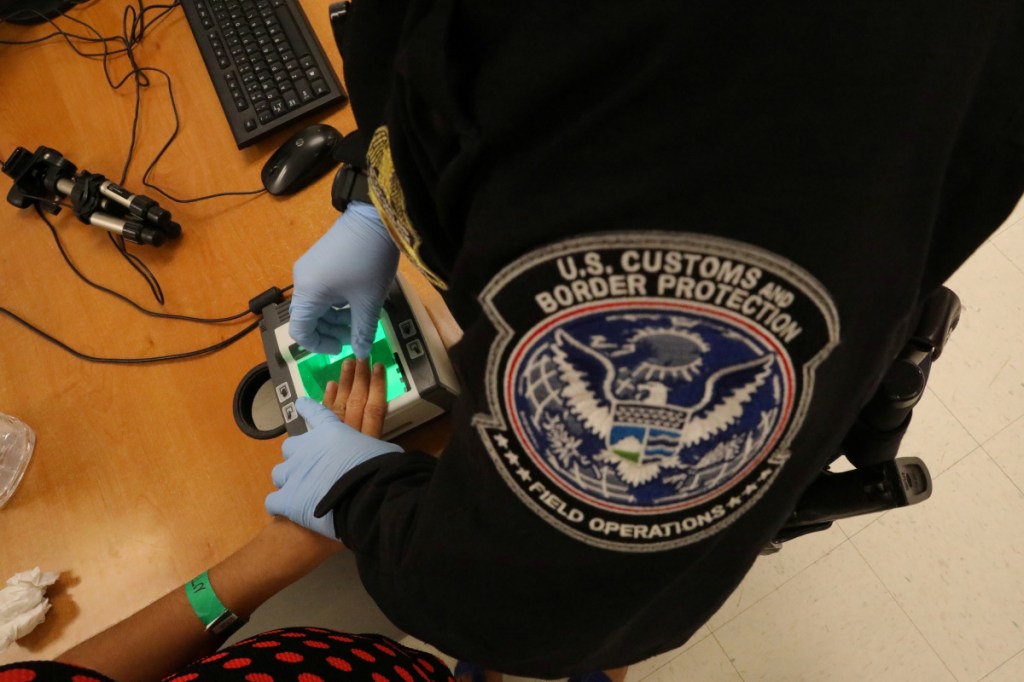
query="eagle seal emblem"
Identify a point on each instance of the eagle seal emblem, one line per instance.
(646, 397)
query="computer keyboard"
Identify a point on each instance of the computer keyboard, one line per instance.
(265, 62)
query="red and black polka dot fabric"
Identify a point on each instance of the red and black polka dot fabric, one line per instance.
(288, 655)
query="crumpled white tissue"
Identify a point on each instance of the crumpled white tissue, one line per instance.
(23, 604)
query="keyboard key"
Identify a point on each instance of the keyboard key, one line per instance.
(290, 29)
(262, 59)
(305, 92)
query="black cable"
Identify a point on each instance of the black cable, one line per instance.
(146, 311)
(136, 263)
(130, 361)
(170, 140)
(134, 26)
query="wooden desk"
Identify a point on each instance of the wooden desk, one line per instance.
(140, 478)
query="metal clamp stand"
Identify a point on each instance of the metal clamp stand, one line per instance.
(43, 178)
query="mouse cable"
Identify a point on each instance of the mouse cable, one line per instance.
(174, 134)
(130, 37)
(134, 25)
(116, 240)
(130, 361)
(116, 294)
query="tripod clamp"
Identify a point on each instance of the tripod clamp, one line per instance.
(43, 178)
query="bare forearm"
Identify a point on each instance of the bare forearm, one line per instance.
(167, 635)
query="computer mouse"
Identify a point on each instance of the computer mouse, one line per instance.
(302, 159)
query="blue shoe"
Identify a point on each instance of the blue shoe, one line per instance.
(599, 676)
(474, 671)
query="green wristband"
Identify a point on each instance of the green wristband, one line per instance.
(203, 599)
(215, 617)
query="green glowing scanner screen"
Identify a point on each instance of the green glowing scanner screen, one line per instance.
(316, 369)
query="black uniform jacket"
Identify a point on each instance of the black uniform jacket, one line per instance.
(684, 241)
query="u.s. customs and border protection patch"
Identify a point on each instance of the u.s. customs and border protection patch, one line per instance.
(644, 387)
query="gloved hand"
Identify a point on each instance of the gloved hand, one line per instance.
(353, 263)
(314, 461)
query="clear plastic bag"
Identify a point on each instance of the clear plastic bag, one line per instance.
(17, 441)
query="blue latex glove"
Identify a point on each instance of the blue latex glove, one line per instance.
(353, 263)
(314, 461)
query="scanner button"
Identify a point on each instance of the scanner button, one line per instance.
(289, 412)
(407, 328)
(414, 349)
(284, 391)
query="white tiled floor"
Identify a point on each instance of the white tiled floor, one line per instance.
(931, 593)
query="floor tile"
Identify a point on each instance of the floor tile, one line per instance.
(836, 622)
(980, 378)
(331, 596)
(1010, 242)
(1014, 218)
(770, 572)
(935, 436)
(704, 662)
(637, 673)
(1011, 671)
(1006, 448)
(414, 643)
(640, 671)
(955, 566)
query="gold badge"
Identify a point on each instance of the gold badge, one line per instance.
(387, 195)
